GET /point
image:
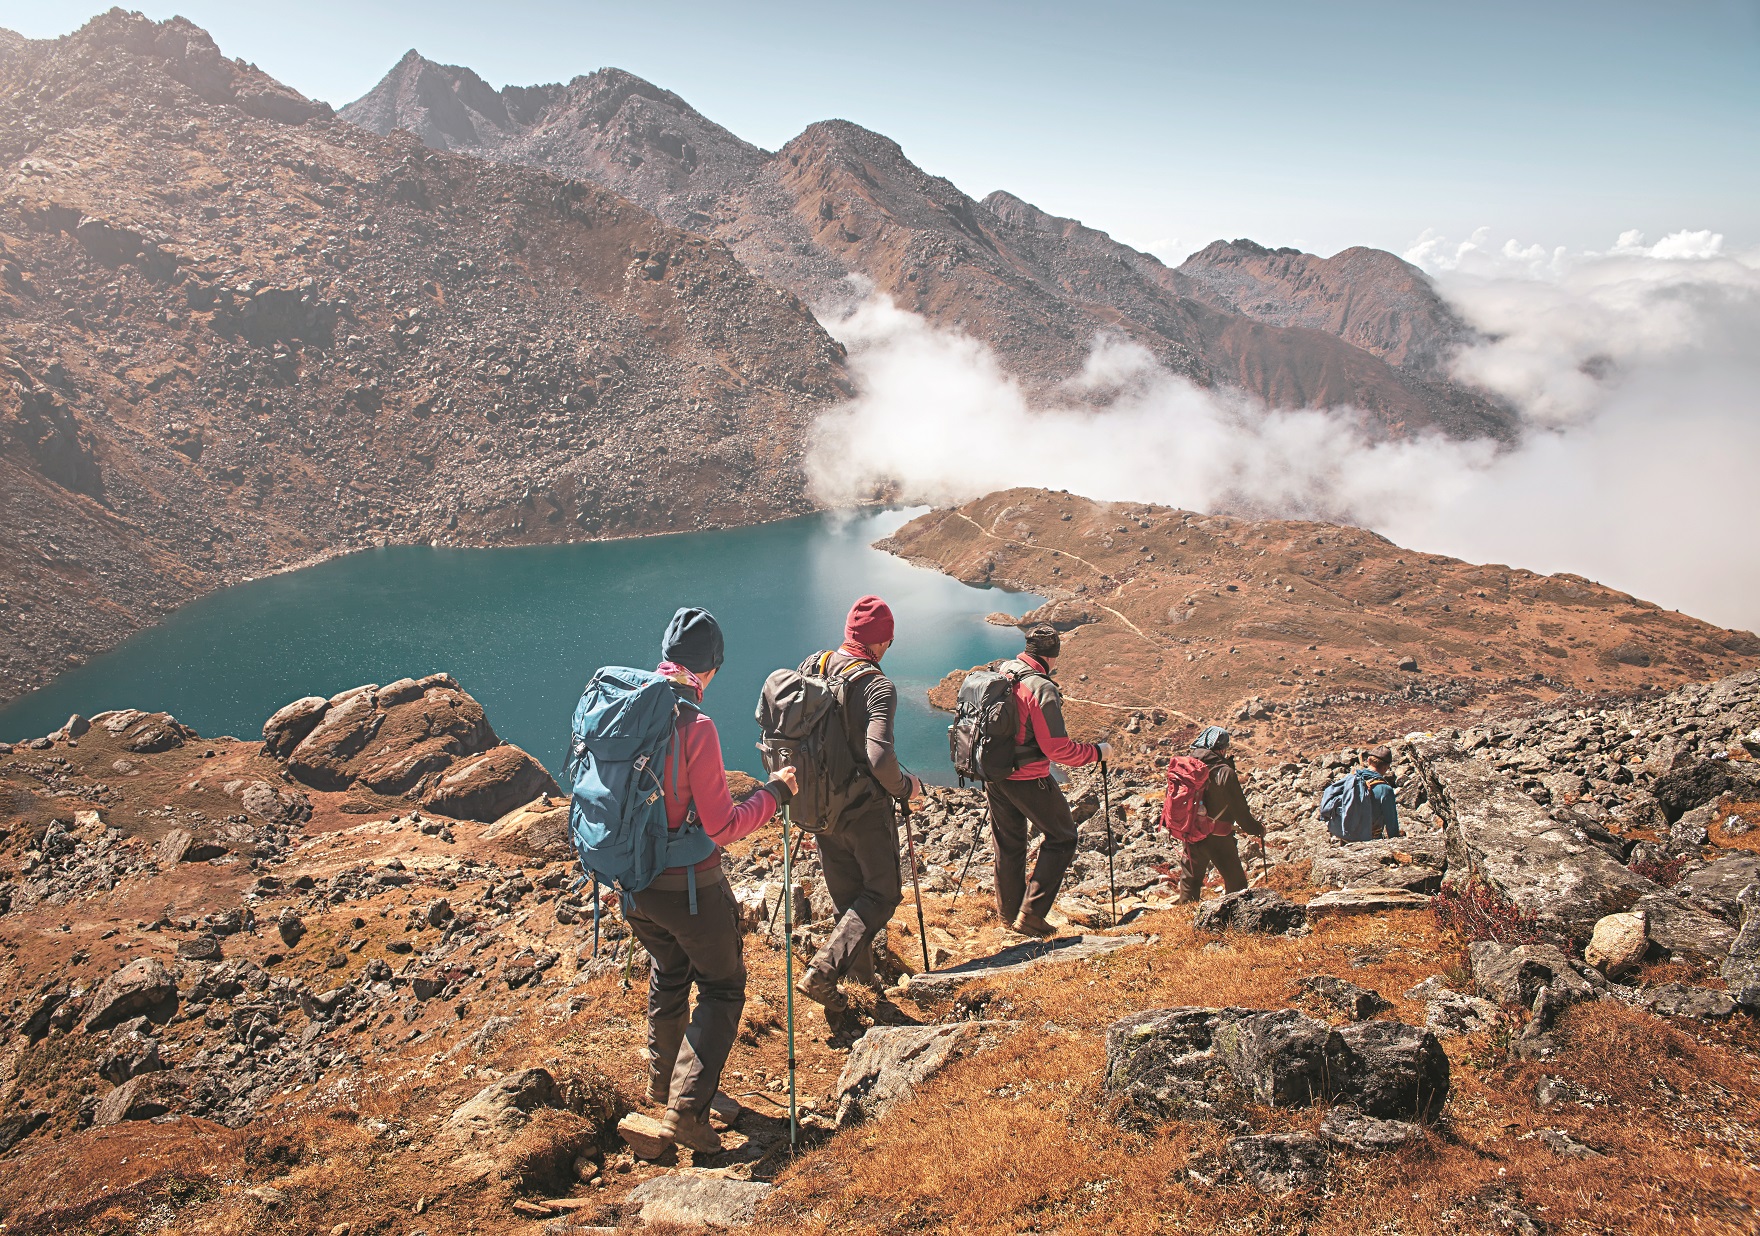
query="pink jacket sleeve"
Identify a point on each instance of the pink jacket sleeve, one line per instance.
(706, 777)
(1054, 741)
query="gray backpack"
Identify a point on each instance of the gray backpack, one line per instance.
(802, 721)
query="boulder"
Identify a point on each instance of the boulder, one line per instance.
(888, 1063)
(144, 1097)
(323, 758)
(1681, 1000)
(1160, 1067)
(1279, 1163)
(1618, 943)
(1741, 969)
(1497, 834)
(274, 804)
(143, 987)
(1694, 785)
(1451, 1013)
(1283, 1058)
(1717, 886)
(1366, 901)
(1393, 1071)
(538, 829)
(488, 786)
(503, 1106)
(1259, 910)
(130, 1052)
(1411, 863)
(288, 727)
(695, 1199)
(1515, 974)
(1346, 1128)
(150, 732)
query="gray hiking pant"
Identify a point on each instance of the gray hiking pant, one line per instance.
(859, 858)
(1013, 804)
(687, 1050)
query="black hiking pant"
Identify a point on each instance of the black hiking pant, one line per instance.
(859, 859)
(1013, 805)
(687, 1050)
(1216, 851)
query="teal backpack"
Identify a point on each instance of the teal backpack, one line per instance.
(624, 728)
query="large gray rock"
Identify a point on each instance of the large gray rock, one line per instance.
(1411, 863)
(1682, 1000)
(1260, 910)
(1279, 1163)
(1717, 886)
(503, 1106)
(1515, 974)
(1450, 1013)
(1366, 901)
(1062, 950)
(1393, 1071)
(1160, 1066)
(1741, 969)
(1498, 834)
(1346, 1128)
(143, 986)
(288, 727)
(888, 1063)
(144, 1097)
(1284, 1058)
(695, 1199)
(1694, 785)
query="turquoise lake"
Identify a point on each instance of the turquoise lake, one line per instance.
(522, 629)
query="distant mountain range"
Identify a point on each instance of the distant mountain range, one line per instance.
(1362, 328)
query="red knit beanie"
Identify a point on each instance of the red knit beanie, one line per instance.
(869, 622)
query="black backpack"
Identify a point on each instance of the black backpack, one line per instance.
(981, 738)
(801, 718)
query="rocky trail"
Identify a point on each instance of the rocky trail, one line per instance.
(352, 961)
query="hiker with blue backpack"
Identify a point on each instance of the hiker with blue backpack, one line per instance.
(651, 811)
(1361, 805)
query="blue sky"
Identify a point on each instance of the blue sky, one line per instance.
(1320, 125)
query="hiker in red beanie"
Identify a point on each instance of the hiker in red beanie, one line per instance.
(859, 854)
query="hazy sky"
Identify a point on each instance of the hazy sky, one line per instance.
(1169, 125)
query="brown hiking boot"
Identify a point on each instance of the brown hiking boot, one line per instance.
(821, 988)
(690, 1132)
(1030, 924)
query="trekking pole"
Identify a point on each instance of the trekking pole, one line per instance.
(595, 917)
(770, 927)
(904, 805)
(788, 972)
(977, 836)
(1106, 807)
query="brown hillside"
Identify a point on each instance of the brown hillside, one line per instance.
(241, 334)
(1302, 627)
(840, 200)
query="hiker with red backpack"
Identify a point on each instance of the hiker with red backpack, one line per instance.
(1204, 804)
(1029, 795)
(858, 848)
(630, 725)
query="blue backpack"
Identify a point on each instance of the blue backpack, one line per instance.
(623, 730)
(1347, 807)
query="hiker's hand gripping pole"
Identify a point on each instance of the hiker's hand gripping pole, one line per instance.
(910, 843)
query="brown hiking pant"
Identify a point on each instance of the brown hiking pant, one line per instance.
(1013, 805)
(687, 1050)
(1214, 851)
(859, 859)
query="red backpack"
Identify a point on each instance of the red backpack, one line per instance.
(1182, 811)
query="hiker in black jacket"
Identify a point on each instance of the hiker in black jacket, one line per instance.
(859, 854)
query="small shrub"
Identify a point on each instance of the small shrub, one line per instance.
(1663, 871)
(1476, 911)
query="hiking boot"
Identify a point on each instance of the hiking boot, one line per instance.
(1030, 924)
(690, 1132)
(821, 988)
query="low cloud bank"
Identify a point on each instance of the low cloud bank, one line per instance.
(1636, 369)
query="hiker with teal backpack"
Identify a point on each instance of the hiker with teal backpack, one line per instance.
(650, 813)
(1362, 805)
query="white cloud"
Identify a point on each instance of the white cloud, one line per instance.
(1637, 370)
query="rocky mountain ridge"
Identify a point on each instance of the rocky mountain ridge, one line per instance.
(242, 335)
(1362, 329)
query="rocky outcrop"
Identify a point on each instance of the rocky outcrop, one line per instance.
(143, 986)
(1501, 836)
(888, 1063)
(1254, 910)
(426, 740)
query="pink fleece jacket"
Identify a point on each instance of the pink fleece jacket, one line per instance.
(703, 782)
(1041, 735)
